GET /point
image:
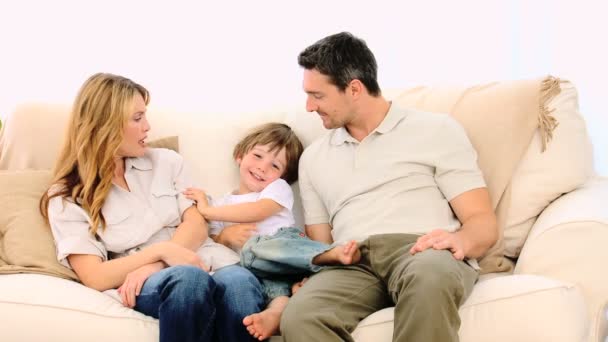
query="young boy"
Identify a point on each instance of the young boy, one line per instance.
(280, 254)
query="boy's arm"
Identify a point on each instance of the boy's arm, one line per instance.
(242, 212)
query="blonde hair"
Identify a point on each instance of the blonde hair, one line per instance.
(278, 136)
(86, 163)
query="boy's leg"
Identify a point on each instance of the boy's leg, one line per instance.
(239, 295)
(428, 287)
(333, 302)
(288, 252)
(264, 324)
(346, 254)
(183, 299)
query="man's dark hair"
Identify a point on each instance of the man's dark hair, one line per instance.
(343, 57)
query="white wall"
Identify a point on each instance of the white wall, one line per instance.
(194, 54)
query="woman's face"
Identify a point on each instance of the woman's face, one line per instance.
(136, 130)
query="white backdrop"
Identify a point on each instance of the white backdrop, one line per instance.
(199, 54)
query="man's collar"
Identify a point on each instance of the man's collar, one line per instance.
(392, 118)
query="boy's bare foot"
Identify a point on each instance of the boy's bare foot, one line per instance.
(346, 254)
(264, 324)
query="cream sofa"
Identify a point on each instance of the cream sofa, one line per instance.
(552, 208)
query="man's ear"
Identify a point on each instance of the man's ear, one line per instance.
(238, 160)
(355, 88)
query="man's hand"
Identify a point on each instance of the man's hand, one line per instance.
(134, 282)
(236, 235)
(441, 239)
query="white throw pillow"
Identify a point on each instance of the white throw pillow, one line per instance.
(541, 177)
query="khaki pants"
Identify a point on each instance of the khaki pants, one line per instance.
(426, 290)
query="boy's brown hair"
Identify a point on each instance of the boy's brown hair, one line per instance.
(277, 136)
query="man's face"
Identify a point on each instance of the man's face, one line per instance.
(333, 106)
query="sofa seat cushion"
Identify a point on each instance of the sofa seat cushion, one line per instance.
(506, 308)
(36, 307)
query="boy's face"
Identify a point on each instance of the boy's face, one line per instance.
(333, 106)
(260, 167)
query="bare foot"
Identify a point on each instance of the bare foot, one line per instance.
(264, 324)
(346, 254)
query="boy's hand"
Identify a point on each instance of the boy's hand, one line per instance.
(197, 195)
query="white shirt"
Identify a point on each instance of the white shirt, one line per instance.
(278, 191)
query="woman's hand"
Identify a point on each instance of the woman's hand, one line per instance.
(236, 235)
(173, 254)
(134, 281)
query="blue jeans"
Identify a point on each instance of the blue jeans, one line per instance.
(281, 259)
(191, 305)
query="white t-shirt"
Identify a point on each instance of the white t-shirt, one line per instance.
(278, 191)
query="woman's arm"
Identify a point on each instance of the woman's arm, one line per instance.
(104, 275)
(192, 232)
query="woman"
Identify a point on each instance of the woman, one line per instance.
(119, 220)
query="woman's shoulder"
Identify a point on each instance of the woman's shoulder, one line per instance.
(163, 156)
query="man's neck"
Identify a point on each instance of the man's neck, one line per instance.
(370, 115)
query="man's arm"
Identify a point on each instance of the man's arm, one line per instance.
(320, 232)
(479, 229)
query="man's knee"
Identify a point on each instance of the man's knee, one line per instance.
(434, 272)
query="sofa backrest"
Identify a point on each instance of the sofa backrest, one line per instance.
(33, 133)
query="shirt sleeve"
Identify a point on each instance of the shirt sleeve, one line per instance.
(312, 205)
(280, 192)
(70, 226)
(456, 169)
(181, 181)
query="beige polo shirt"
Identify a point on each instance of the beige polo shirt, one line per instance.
(399, 179)
(148, 213)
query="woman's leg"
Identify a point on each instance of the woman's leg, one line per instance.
(239, 294)
(182, 298)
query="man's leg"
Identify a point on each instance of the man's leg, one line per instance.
(428, 288)
(239, 294)
(333, 302)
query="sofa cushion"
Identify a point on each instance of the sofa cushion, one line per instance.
(500, 120)
(35, 307)
(505, 309)
(541, 177)
(26, 242)
(19, 150)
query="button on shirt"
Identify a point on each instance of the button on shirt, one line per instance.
(399, 179)
(147, 214)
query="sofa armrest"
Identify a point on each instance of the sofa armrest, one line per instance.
(568, 243)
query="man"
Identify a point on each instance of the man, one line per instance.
(404, 183)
